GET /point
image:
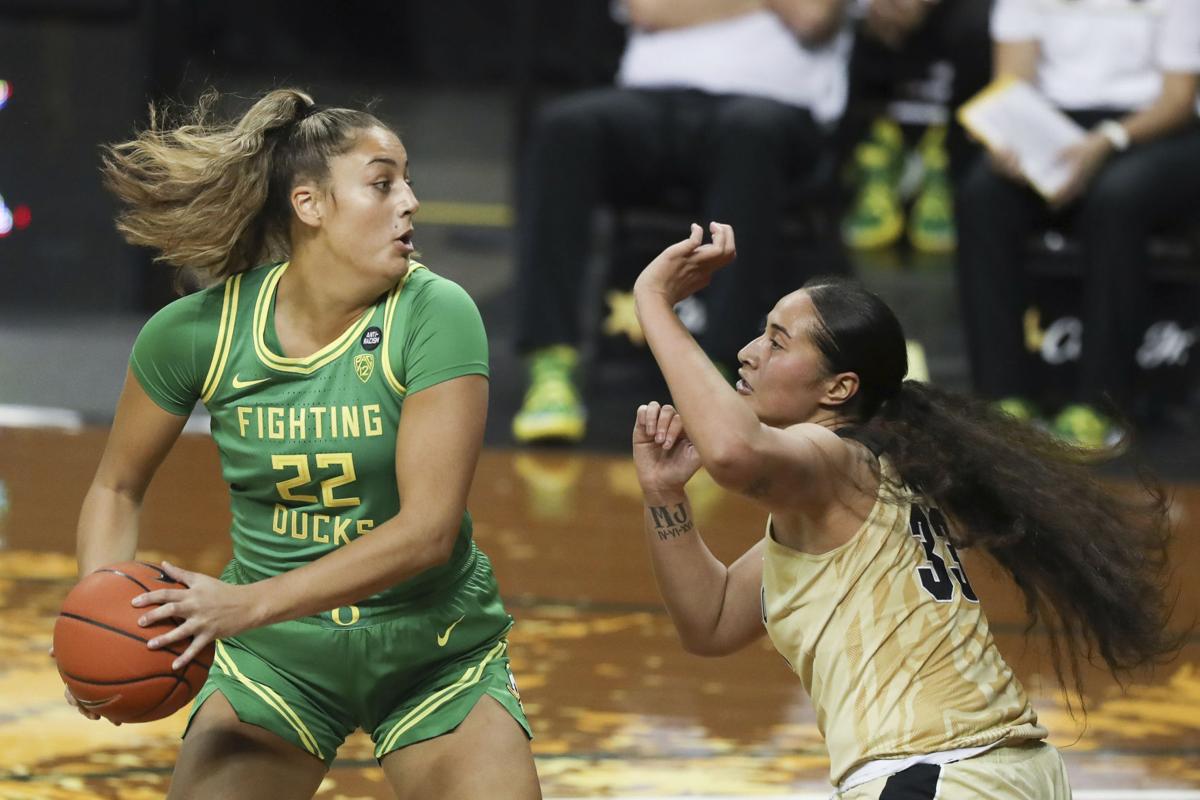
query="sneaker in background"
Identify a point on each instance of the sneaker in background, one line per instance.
(552, 409)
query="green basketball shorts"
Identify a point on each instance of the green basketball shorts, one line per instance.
(404, 675)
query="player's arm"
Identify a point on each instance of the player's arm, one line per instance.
(782, 469)
(712, 606)
(437, 447)
(715, 608)
(142, 435)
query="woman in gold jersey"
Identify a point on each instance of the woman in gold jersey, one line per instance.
(871, 482)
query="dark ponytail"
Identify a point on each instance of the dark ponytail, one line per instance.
(1090, 562)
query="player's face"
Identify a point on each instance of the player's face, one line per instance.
(371, 204)
(783, 374)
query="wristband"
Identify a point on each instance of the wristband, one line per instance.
(1116, 134)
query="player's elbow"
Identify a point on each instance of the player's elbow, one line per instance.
(704, 646)
(732, 464)
(440, 541)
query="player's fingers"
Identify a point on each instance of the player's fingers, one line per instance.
(158, 597)
(159, 613)
(684, 248)
(181, 631)
(730, 243)
(198, 643)
(673, 432)
(651, 423)
(74, 702)
(665, 415)
(179, 573)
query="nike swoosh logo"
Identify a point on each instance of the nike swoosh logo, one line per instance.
(445, 637)
(91, 704)
(238, 383)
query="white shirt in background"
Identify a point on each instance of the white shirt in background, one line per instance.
(1103, 53)
(754, 54)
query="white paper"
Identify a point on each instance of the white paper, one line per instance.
(1017, 117)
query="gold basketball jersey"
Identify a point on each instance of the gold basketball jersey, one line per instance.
(888, 638)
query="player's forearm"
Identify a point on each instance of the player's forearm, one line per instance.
(719, 423)
(690, 579)
(401, 548)
(107, 530)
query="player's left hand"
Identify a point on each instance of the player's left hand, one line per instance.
(209, 609)
(686, 267)
(1085, 159)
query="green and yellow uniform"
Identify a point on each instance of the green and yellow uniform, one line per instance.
(889, 639)
(307, 447)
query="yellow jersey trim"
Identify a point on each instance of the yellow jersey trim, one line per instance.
(271, 698)
(438, 699)
(389, 311)
(220, 356)
(308, 364)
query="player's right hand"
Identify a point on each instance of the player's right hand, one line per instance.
(72, 701)
(663, 454)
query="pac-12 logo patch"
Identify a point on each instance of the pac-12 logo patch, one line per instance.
(372, 336)
(364, 365)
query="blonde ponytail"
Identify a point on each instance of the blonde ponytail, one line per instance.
(211, 196)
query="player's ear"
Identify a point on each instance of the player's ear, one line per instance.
(307, 201)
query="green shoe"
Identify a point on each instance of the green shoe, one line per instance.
(886, 133)
(931, 223)
(1083, 426)
(1017, 407)
(552, 409)
(876, 219)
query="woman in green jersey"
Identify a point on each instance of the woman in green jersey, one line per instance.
(872, 483)
(348, 389)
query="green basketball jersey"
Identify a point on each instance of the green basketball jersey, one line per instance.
(307, 445)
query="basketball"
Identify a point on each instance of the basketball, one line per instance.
(102, 654)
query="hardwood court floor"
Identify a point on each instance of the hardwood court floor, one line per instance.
(618, 708)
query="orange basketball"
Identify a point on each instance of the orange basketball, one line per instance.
(102, 654)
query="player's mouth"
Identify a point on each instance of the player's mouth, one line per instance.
(743, 386)
(404, 242)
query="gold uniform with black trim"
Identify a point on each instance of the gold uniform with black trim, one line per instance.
(887, 636)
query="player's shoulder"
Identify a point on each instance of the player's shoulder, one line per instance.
(423, 286)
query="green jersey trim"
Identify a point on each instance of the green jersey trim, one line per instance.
(438, 699)
(389, 311)
(308, 364)
(220, 356)
(271, 698)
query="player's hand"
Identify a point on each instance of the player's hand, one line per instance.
(663, 455)
(1084, 159)
(71, 700)
(209, 609)
(686, 267)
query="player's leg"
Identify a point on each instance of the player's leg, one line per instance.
(487, 755)
(225, 757)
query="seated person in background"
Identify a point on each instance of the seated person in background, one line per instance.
(731, 98)
(912, 60)
(1126, 70)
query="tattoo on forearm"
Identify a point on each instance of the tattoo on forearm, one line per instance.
(671, 521)
(759, 486)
